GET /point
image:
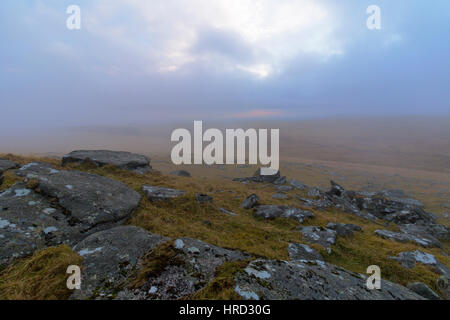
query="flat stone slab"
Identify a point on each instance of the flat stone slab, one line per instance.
(280, 196)
(154, 193)
(124, 160)
(199, 261)
(275, 211)
(310, 280)
(405, 237)
(298, 185)
(257, 177)
(283, 188)
(180, 173)
(323, 236)
(109, 257)
(299, 251)
(29, 222)
(92, 201)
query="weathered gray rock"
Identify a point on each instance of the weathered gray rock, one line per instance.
(306, 202)
(92, 202)
(431, 231)
(6, 165)
(276, 211)
(283, 188)
(323, 236)
(298, 185)
(310, 280)
(198, 263)
(393, 193)
(250, 202)
(124, 160)
(280, 181)
(344, 230)
(400, 196)
(423, 290)
(258, 177)
(314, 192)
(34, 170)
(405, 237)
(29, 222)
(385, 205)
(299, 251)
(180, 173)
(109, 257)
(408, 259)
(203, 198)
(397, 210)
(280, 196)
(158, 193)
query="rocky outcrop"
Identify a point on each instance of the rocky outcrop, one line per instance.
(56, 207)
(250, 202)
(109, 257)
(416, 224)
(310, 280)
(276, 211)
(154, 193)
(196, 263)
(323, 236)
(92, 201)
(124, 160)
(29, 221)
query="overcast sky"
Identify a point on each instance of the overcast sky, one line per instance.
(146, 61)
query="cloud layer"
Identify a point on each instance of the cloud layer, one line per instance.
(152, 61)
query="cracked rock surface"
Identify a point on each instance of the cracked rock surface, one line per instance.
(311, 280)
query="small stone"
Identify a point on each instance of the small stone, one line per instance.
(250, 202)
(180, 173)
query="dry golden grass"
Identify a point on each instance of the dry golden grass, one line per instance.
(41, 276)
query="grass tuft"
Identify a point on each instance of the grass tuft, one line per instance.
(39, 277)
